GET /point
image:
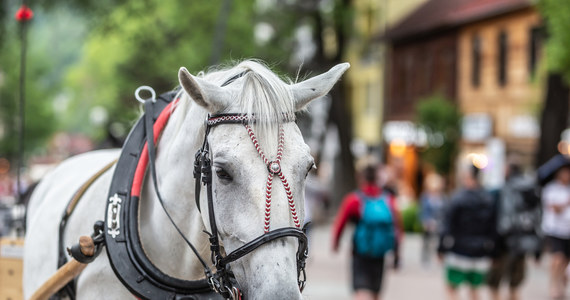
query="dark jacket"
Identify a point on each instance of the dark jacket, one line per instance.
(519, 217)
(469, 225)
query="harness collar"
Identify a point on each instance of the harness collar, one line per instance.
(124, 248)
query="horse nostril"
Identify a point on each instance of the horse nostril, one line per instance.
(283, 243)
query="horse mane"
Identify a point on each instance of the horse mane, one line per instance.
(259, 93)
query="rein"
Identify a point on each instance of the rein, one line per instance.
(122, 240)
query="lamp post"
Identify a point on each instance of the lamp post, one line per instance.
(23, 16)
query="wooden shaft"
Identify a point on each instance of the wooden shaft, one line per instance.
(66, 273)
(58, 280)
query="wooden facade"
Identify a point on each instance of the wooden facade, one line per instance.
(420, 68)
(482, 55)
(498, 75)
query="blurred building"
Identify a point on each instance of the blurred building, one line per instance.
(481, 55)
(366, 56)
(498, 90)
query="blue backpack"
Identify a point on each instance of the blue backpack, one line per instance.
(374, 233)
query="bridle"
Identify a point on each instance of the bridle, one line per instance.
(223, 280)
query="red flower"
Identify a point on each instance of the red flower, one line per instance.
(24, 14)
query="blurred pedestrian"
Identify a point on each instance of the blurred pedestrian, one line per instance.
(378, 228)
(6, 186)
(390, 180)
(518, 228)
(431, 205)
(556, 226)
(468, 236)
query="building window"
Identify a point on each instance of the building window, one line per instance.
(476, 60)
(410, 72)
(428, 71)
(503, 46)
(534, 44)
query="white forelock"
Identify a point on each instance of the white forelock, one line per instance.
(259, 92)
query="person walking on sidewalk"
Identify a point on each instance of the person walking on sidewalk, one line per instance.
(518, 228)
(556, 220)
(468, 236)
(431, 207)
(378, 229)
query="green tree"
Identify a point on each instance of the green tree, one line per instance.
(554, 117)
(50, 51)
(556, 15)
(145, 43)
(127, 43)
(441, 120)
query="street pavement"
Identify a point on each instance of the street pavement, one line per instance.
(329, 273)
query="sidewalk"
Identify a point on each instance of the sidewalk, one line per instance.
(329, 273)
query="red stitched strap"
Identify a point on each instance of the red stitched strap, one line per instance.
(290, 199)
(158, 127)
(274, 168)
(256, 143)
(268, 188)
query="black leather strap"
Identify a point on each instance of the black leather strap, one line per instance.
(272, 235)
(69, 289)
(233, 78)
(197, 179)
(97, 237)
(149, 123)
(128, 260)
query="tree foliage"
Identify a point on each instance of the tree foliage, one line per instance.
(89, 56)
(555, 110)
(50, 49)
(556, 14)
(145, 43)
(441, 120)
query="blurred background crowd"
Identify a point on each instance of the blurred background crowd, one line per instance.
(437, 89)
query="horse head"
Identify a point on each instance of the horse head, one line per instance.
(259, 168)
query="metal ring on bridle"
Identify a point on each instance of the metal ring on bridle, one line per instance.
(274, 167)
(145, 88)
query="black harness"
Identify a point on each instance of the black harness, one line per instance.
(121, 236)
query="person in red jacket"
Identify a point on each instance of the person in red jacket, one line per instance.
(367, 271)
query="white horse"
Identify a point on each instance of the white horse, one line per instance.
(239, 184)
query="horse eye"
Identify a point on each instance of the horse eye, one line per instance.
(222, 174)
(311, 167)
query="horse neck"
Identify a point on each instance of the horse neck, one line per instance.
(174, 164)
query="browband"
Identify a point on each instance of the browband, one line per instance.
(229, 118)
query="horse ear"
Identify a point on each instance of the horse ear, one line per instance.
(318, 86)
(210, 96)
